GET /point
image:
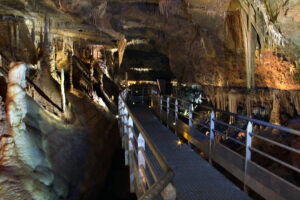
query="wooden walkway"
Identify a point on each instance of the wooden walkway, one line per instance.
(194, 177)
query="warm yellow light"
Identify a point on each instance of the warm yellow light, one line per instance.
(179, 142)
(133, 103)
(149, 106)
(112, 97)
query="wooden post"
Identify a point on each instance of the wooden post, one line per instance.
(160, 107)
(169, 193)
(119, 112)
(176, 115)
(141, 159)
(190, 122)
(152, 103)
(248, 153)
(130, 127)
(131, 152)
(143, 93)
(124, 124)
(168, 111)
(125, 134)
(211, 136)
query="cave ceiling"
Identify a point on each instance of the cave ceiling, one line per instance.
(201, 39)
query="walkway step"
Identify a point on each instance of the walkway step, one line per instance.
(194, 177)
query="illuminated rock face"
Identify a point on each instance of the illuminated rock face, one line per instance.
(43, 155)
(203, 39)
(21, 143)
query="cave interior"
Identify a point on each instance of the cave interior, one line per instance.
(63, 64)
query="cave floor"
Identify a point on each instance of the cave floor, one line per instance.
(194, 177)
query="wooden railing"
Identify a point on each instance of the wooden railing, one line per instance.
(180, 116)
(142, 156)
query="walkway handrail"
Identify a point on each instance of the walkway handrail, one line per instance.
(160, 158)
(255, 121)
(242, 167)
(142, 186)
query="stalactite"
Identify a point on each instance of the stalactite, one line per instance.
(122, 44)
(262, 43)
(164, 7)
(70, 58)
(17, 37)
(275, 114)
(274, 34)
(232, 104)
(12, 37)
(52, 61)
(247, 29)
(46, 30)
(249, 105)
(33, 32)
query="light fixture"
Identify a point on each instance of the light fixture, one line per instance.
(179, 142)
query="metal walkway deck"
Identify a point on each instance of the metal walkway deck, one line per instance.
(194, 177)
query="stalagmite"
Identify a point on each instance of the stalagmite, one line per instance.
(232, 104)
(70, 57)
(12, 36)
(249, 105)
(121, 43)
(33, 32)
(62, 88)
(16, 112)
(17, 37)
(52, 61)
(275, 114)
(46, 30)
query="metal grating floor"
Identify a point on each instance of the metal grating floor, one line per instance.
(194, 177)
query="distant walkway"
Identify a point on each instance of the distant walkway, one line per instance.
(194, 177)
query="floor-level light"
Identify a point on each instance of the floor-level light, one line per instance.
(179, 142)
